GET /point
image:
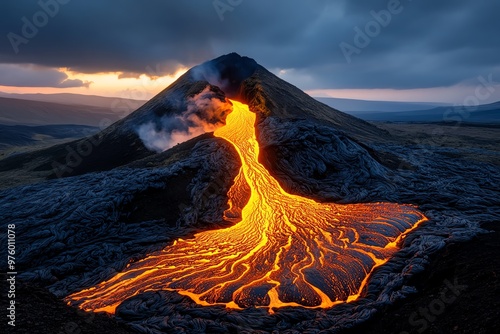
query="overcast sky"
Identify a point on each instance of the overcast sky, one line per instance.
(435, 47)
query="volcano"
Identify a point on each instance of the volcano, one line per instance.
(233, 201)
(287, 250)
(229, 76)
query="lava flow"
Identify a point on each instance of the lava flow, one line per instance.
(287, 250)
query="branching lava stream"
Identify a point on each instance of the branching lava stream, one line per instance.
(287, 250)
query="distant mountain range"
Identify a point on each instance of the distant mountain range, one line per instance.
(355, 107)
(91, 110)
(75, 99)
(63, 109)
(389, 111)
(488, 113)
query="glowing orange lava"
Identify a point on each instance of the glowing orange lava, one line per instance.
(287, 250)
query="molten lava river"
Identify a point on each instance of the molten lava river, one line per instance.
(287, 250)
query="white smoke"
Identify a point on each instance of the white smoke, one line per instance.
(209, 73)
(205, 113)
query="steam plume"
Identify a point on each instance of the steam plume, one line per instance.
(205, 113)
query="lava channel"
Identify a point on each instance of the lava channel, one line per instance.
(287, 250)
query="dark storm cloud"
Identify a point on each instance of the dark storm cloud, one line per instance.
(426, 44)
(36, 76)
